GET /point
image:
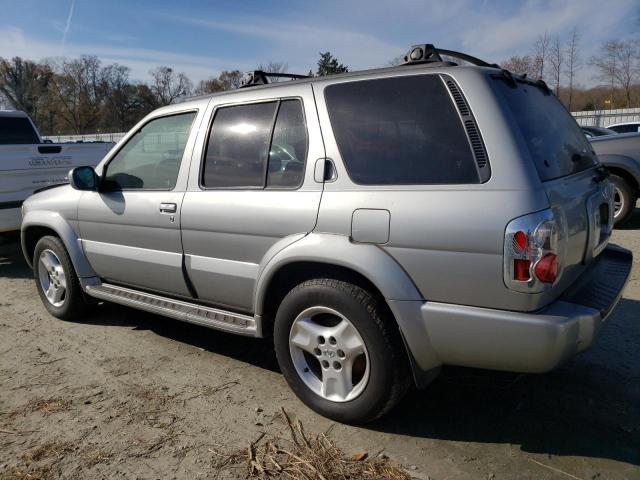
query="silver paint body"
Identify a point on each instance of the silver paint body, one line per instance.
(620, 152)
(435, 252)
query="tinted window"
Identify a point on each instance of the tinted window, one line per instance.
(402, 130)
(238, 146)
(16, 130)
(555, 140)
(151, 158)
(288, 147)
(632, 127)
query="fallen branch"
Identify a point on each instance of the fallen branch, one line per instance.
(306, 457)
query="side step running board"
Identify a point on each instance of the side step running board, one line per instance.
(180, 310)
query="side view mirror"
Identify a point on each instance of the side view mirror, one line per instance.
(83, 178)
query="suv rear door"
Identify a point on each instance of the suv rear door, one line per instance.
(252, 191)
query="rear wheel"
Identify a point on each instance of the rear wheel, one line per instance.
(339, 350)
(56, 280)
(625, 200)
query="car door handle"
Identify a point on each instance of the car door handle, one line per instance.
(168, 208)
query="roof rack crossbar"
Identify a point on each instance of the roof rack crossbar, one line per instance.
(260, 77)
(427, 53)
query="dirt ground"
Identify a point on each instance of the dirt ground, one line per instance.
(126, 394)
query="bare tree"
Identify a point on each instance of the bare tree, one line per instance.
(227, 80)
(573, 61)
(122, 97)
(167, 86)
(522, 65)
(628, 66)
(607, 65)
(541, 53)
(556, 61)
(274, 67)
(78, 91)
(24, 86)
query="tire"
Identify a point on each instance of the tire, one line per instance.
(52, 266)
(350, 387)
(625, 197)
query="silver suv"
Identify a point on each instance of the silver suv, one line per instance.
(376, 224)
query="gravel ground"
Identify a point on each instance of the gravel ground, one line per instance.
(125, 394)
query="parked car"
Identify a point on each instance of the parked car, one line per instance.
(621, 155)
(426, 214)
(593, 131)
(625, 127)
(27, 163)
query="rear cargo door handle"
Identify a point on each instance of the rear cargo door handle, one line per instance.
(168, 208)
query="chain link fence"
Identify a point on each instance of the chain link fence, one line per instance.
(89, 137)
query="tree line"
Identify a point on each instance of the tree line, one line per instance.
(81, 95)
(558, 60)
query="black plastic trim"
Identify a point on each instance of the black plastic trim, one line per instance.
(471, 128)
(8, 205)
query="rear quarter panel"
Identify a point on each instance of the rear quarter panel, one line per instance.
(448, 238)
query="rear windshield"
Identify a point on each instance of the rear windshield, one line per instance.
(555, 141)
(16, 130)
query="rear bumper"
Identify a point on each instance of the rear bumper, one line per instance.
(526, 342)
(10, 219)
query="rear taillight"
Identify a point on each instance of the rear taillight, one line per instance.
(533, 251)
(546, 270)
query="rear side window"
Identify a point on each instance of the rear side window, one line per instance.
(17, 131)
(238, 144)
(555, 141)
(256, 146)
(402, 130)
(288, 147)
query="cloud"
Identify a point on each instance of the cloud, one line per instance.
(364, 34)
(67, 26)
(15, 43)
(361, 33)
(299, 44)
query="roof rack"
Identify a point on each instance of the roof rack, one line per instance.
(427, 53)
(259, 77)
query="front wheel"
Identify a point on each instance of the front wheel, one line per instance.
(340, 351)
(56, 280)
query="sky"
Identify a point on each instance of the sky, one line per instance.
(202, 38)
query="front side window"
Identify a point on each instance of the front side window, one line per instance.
(151, 159)
(402, 131)
(259, 145)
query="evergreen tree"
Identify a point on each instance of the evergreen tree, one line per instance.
(328, 65)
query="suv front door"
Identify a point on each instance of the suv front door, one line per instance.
(130, 228)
